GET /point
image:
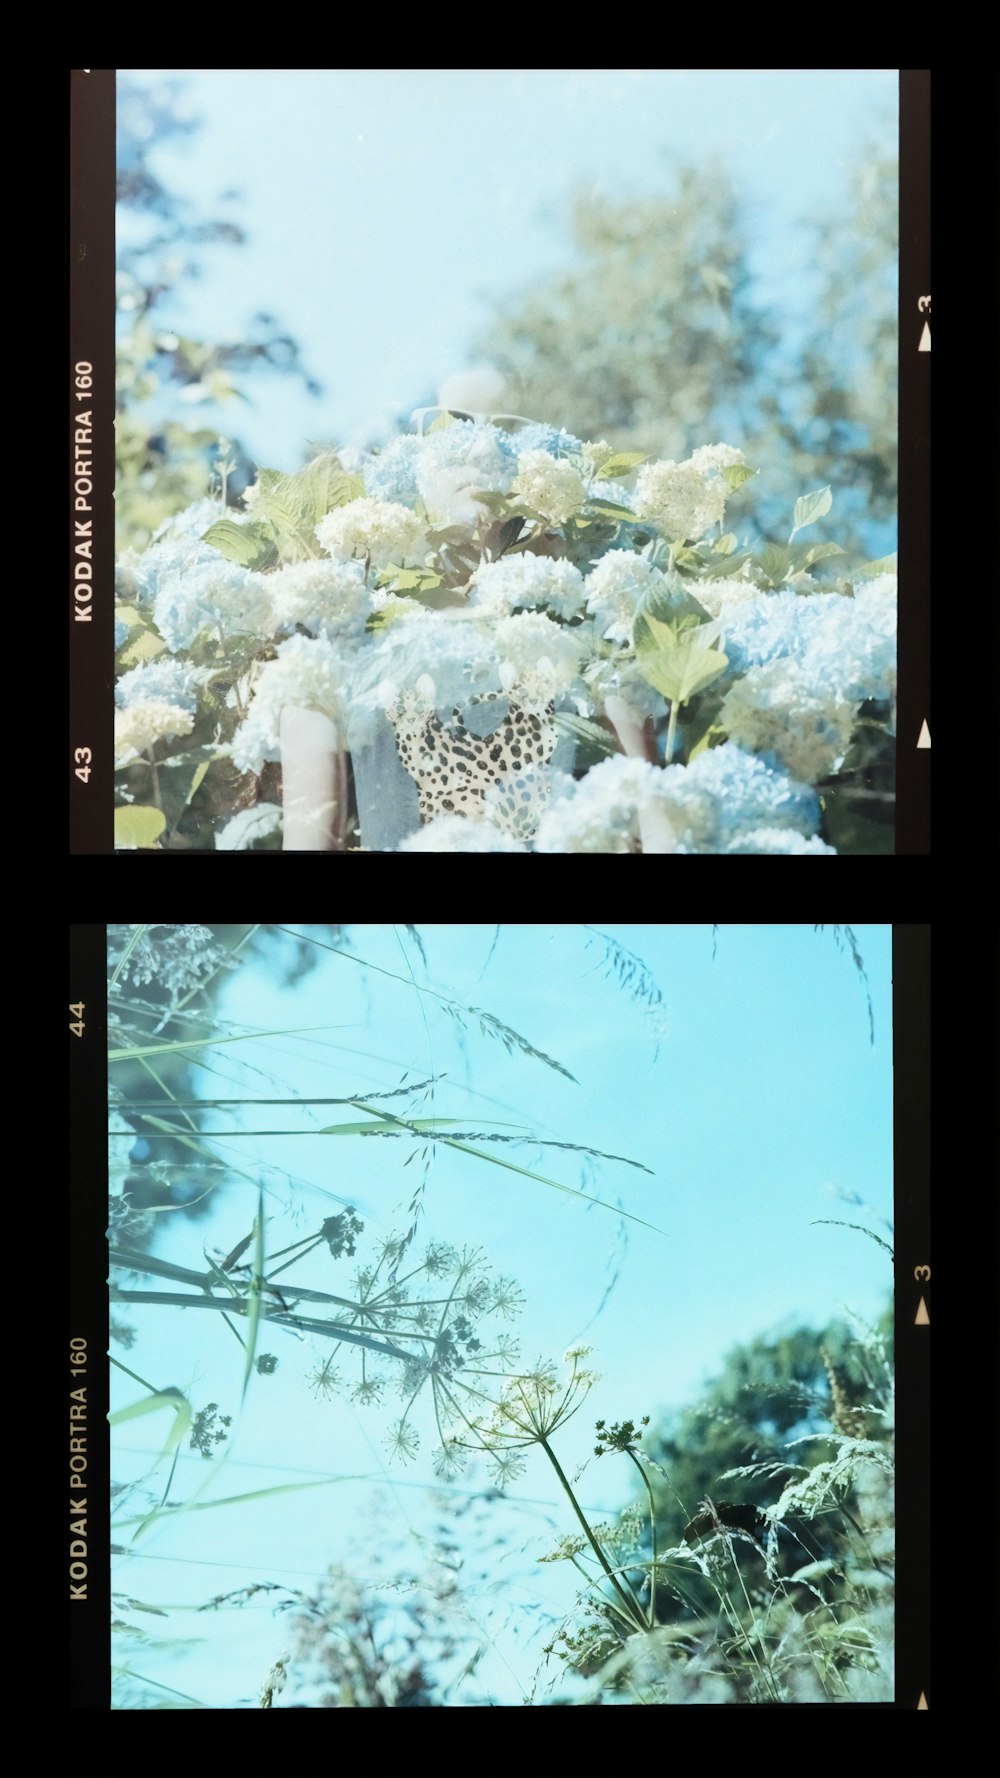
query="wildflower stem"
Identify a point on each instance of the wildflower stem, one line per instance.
(633, 1609)
(652, 1527)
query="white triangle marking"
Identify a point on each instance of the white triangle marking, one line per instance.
(925, 339)
(923, 1702)
(921, 1319)
(924, 738)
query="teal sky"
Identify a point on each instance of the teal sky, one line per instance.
(387, 208)
(764, 1099)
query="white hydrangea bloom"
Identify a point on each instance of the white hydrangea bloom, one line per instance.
(389, 533)
(720, 596)
(464, 456)
(529, 581)
(311, 673)
(784, 709)
(595, 454)
(549, 486)
(709, 459)
(781, 839)
(141, 724)
(212, 595)
(680, 499)
(601, 813)
(614, 587)
(329, 598)
(247, 826)
(460, 833)
(537, 655)
(453, 651)
(449, 497)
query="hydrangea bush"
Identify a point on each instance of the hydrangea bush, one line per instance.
(519, 641)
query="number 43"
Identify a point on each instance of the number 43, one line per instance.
(82, 757)
(77, 1011)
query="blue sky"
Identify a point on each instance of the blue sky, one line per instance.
(387, 208)
(763, 1099)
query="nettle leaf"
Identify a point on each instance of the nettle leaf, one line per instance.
(809, 508)
(137, 827)
(622, 463)
(736, 474)
(682, 669)
(128, 614)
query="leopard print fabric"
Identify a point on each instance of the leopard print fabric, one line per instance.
(454, 769)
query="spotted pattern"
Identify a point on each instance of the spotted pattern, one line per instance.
(453, 769)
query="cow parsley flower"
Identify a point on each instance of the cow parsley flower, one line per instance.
(614, 588)
(328, 598)
(247, 826)
(528, 581)
(784, 709)
(141, 724)
(549, 486)
(380, 529)
(460, 833)
(310, 673)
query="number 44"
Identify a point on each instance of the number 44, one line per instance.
(77, 1026)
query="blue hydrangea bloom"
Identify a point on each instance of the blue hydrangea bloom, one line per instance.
(726, 792)
(392, 474)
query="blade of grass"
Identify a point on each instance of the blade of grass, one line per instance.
(256, 1310)
(193, 1043)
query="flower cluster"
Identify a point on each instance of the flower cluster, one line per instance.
(486, 612)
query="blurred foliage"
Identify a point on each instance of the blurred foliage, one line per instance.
(162, 464)
(653, 338)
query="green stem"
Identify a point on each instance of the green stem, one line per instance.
(671, 732)
(630, 1603)
(652, 1528)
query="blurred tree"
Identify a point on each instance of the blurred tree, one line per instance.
(161, 463)
(652, 332)
(653, 337)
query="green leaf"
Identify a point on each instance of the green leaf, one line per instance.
(725, 545)
(682, 671)
(884, 565)
(809, 508)
(622, 463)
(606, 509)
(127, 614)
(713, 733)
(587, 734)
(663, 615)
(137, 826)
(774, 563)
(196, 781)
(256, 1292)
(238, 543)
(736, 474)
(820, 552)
(150, 1404)
(146, 647)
